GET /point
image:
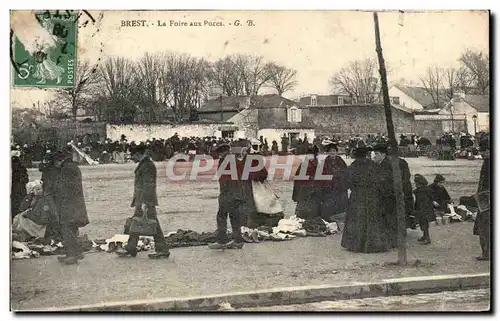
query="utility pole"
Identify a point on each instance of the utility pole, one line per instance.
(393, 150)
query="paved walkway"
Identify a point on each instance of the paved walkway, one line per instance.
(472, 300)
(103, 277)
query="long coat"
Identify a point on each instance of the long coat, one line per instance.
(233, 195)
(365, 228)
(18, 185)
(68, 195)
(145, 183)
(307, 193)
(334, 192)
(388, 196)
(424, 209)
(482, 223)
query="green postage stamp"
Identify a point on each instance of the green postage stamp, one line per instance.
(46, 57)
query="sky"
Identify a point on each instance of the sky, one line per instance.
(315, 43)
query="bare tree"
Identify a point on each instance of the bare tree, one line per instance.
(79, 96)
(465, 80)
(119, 89)
(183, 83)
(281, 78)
(149, 70)
(239, 74)
(478, 65)
(433, 84)
(225, 75)
(252, 72)
(358, 79)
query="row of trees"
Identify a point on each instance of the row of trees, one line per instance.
(360, 79)
(119, 89)
(472, 77)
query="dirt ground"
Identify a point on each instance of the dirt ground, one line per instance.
(102, 277)
(192, 205)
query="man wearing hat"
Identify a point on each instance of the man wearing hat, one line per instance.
(334, 198)
(19, 179)
(145, 195)
(70, 204)
(482, 224)
(231, 202)
(380, 156)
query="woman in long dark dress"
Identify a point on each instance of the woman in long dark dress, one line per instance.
(307, 191)
(334, 196)
(365, 230)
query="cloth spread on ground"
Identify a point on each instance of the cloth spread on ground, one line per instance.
(287, 229)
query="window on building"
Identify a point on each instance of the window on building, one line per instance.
(294, 115)
(314, 101)
(340, 100)
(228, 134)
(395, 100)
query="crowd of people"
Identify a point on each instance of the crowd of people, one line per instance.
(118, 151)
(368, 213)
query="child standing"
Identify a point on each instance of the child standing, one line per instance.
(424, 210)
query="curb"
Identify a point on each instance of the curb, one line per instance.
(297, 295)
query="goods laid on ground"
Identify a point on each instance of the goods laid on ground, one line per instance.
(287, 229)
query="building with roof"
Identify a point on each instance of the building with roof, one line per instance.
(270, 117)
(341, 115)
(414, 98)
(475, 108)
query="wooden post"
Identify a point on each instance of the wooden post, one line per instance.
(393, 150)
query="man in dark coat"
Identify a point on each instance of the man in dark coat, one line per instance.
(334, 198)
(18, 183)
(231, 202)
(50, 174)
(365, 229)
(284, 143)
(482, 224)
(145, 195)
(70, 205)
(389, 197)
(274, 147)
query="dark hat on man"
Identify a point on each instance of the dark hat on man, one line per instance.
(139, 149)
(380, 147)
(60, 155)
(223, 148)
(361, 150)
(420, 180)
(439, 178)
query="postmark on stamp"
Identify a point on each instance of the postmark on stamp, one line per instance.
(45, 51)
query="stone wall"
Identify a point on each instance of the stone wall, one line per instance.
(143, 132)
(351, 120)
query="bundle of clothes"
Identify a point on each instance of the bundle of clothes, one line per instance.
(286, 229)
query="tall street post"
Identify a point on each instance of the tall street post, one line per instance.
(393, 150)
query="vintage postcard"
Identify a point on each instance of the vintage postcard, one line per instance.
(250, 160)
